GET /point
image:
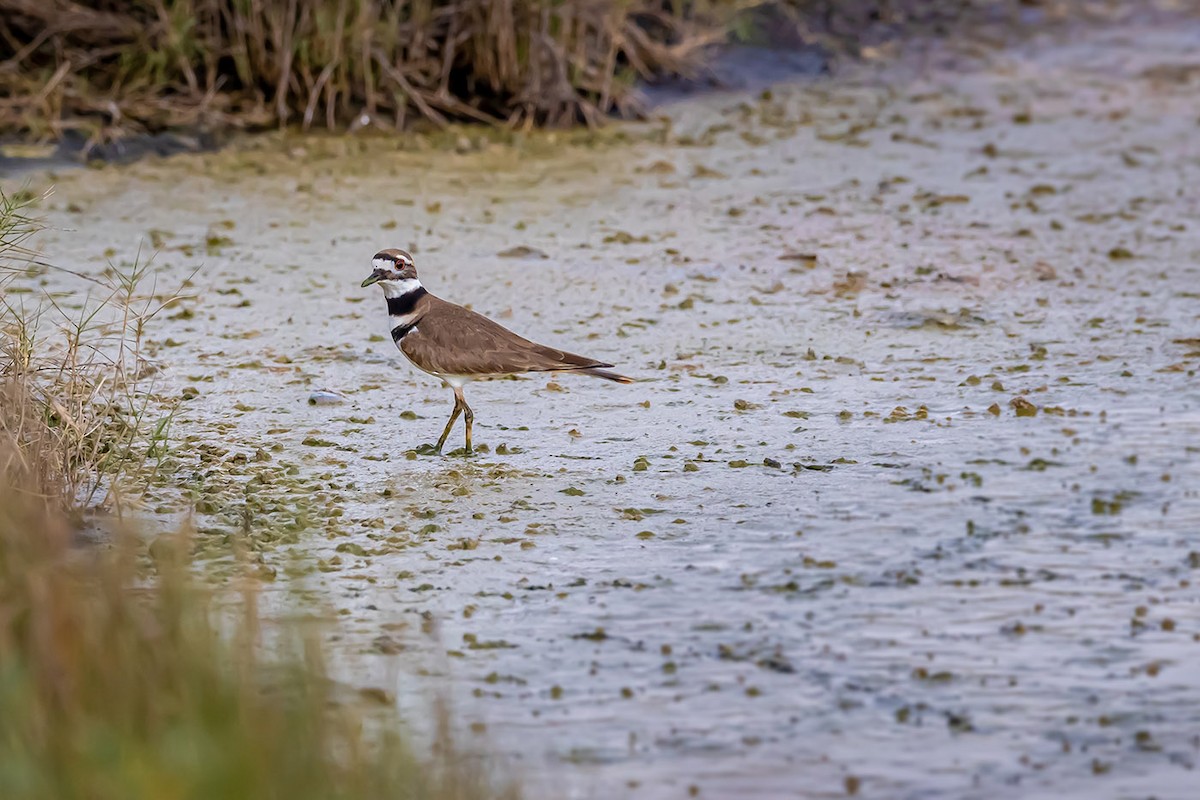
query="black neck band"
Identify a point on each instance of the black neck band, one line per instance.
(404, 304)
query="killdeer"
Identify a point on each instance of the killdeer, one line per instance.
(456, 344)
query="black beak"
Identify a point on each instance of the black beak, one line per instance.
(375, 277)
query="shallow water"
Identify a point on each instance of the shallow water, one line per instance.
(800, 557)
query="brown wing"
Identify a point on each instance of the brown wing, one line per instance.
(452, 340)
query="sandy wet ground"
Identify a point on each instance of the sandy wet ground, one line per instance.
(904, 502)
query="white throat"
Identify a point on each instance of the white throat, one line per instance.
(399, 288)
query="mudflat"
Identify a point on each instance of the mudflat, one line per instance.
(903, 502)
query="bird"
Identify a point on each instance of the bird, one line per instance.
(458, 345)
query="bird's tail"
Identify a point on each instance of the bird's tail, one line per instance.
(603, 373)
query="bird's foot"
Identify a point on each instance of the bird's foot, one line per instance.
(427, 450)
(462, 452)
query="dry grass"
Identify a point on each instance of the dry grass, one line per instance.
(103, 69)
(78, 415)
(121, 676)
(107, 67)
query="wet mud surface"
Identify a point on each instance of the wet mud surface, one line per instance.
(903, 504)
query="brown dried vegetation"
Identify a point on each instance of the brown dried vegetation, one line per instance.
(101, 69)
(146, 65)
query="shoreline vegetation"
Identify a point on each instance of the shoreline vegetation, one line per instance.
(123, 674)
(91, 72)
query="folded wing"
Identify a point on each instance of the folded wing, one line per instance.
(457, 341)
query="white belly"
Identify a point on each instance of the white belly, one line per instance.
(454, 381)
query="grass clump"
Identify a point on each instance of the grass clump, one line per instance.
(79, 413)
(122, 675)
(98, 70)
(104, 67)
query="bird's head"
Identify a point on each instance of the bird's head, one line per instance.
(393, 270)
